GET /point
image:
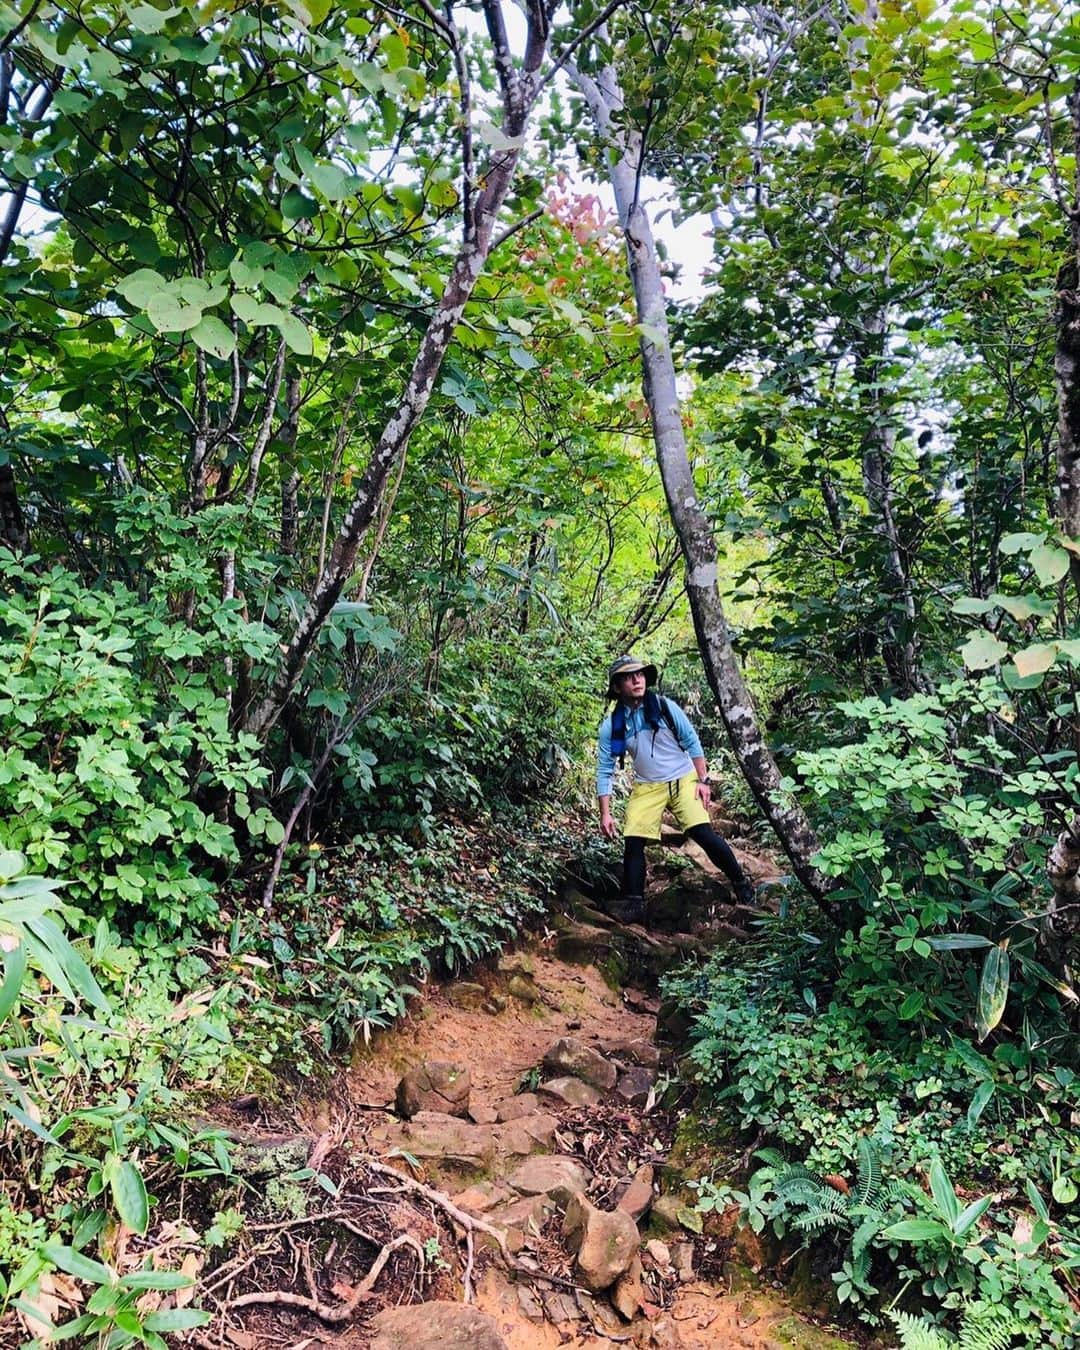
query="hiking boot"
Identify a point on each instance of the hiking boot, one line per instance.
(746, 894)
(627, 909)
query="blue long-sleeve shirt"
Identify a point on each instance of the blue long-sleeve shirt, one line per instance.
(659, 758)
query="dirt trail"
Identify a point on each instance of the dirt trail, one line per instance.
(429, 1187)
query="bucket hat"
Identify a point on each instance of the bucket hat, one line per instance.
(628, 665)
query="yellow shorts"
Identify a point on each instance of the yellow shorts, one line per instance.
(649, 801)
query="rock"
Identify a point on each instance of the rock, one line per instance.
(636, 1199)
(628, 1295)
(522, 988)
(682, 1258)
(605, 1243)
(659, 1252)
(638, 1001)
(511, 1108)
(636, 1051)
(530, 1305)
(572, 1056)
(582, 944)
(434, 1086)
(466, 995)
(673, 1024)
(521, 1219)
(569, 1092)
(517, 963)
(635, 1084)
(528, 1134)
(443, 1141)
(665, 1213)
(435, 1326)
(483, 1115)
(497, 1003)
(554, 1175)
(483, 1196)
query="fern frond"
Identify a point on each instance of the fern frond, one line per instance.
(989, 1327)
(815, 1219)
(868, 1184)
(864, 1235)
(917, 1334)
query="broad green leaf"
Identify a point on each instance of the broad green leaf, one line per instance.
(214, 337)
(169, 314)
(993, 991)
(296, 205)
(971, 604)
(75, 1263)
(1064, 1190)
(297, 338)
(1050, 563)
(129, 1196)
(1021, 607)
(912, 1005)
(1018, 543)
(916, 1230)
(1034, 660)
(982, 650)
(138, 287)
(12, 864)
(523, 358)
(491, 135)
(176, 1319)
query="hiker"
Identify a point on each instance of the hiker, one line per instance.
(670, 774)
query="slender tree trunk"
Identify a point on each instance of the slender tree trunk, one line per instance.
(1067, 364)
(898, 641)
(787, 818)
(519, 86)
(13, 531)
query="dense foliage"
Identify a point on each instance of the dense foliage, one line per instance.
(327, 490)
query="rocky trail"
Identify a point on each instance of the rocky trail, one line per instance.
(499, 1172)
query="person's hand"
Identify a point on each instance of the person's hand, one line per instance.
(704, 793)
(608, 828)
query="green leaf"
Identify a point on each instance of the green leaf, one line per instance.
(523, 358)
(981, 651)
(912, 1005)
(1018, 543)
(979, 1101)
(76, 973)
(169, 314)
(1064, 1190)
(14, 970)
(1035, 660)
(12, 864)
(959, 942)
(177, 1319)
(916, 1230)
(972, 1214)
(214, 337)
(993, 991)
(295, 205)
(157, 1279)
(74, 1263)
(130, 1198)
(297, 338)
(138, 288)
(1050, 563)
(943, 1192)
(970, 604)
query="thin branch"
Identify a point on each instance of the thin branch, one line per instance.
(511, 230)
(586, 33)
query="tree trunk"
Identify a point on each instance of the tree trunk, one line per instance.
(519, 87)
(13, 532)
(696, 539)
(1067, 365)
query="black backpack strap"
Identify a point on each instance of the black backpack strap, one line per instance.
(669, 718)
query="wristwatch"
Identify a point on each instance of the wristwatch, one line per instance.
(705, 782)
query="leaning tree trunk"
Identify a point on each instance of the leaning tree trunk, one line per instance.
(520, 85)
(793, 829)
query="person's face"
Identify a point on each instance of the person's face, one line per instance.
(632, 686)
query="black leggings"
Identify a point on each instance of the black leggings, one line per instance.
(716, 849)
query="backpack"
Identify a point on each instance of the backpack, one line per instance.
(656, 707)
